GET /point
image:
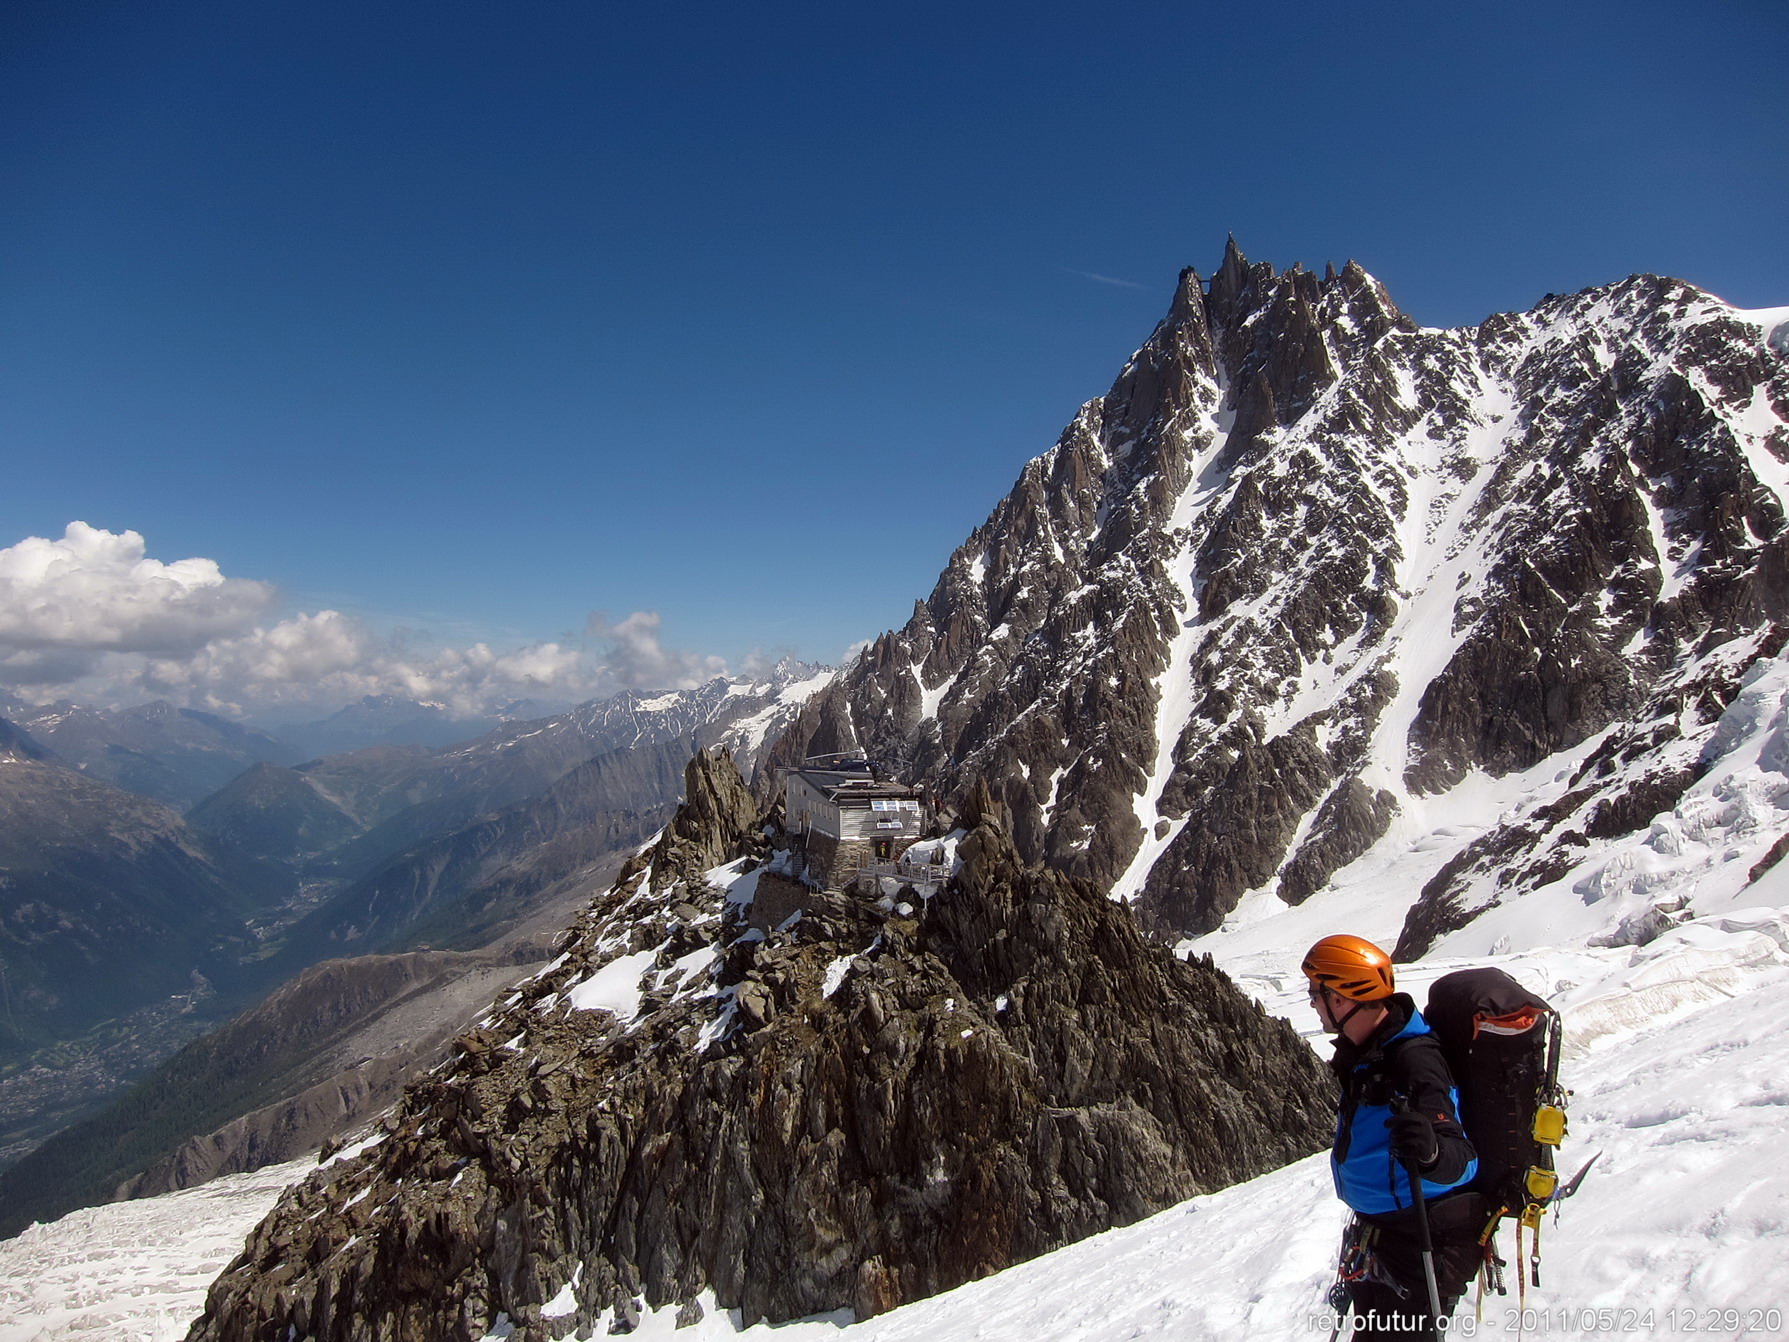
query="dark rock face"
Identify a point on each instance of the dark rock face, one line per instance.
(1306, 563)
(864, 1109)
(713, 823)
(1349, 823)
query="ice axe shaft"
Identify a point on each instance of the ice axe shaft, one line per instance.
(1401, 1104)
(1428, 1245)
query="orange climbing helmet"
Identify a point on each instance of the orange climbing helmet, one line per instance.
(1351, 967)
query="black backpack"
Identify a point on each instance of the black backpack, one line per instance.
(1502, 1045)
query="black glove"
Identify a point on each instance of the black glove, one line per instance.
(1413, 1139)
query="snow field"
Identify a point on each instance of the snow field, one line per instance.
(132, 1271)
(615, 987)
(1695, 859)
(1174, 687)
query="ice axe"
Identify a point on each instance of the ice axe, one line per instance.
(1576, 1179)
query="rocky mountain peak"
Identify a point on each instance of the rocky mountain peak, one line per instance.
(1307, 563)
(712, 825)
(868, 1104)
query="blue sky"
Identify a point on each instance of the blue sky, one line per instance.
(472, 319)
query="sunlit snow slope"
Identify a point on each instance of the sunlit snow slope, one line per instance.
(1680, 1066)
(131, 1271)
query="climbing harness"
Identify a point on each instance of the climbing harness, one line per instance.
(1358, 1261)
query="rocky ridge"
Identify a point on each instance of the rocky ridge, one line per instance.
(369, 1025)
(1307, 564)
(869, 1105)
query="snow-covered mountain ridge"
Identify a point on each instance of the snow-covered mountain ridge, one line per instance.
(746, 707)
(1307, 567)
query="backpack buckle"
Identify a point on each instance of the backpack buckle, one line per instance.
(1549, 1125)
(1541, 1184)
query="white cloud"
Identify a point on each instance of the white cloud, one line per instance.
(328, 659)
(637, 659)
(65, 604)
(91, 618)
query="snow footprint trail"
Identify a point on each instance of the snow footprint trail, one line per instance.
(1686, 1216)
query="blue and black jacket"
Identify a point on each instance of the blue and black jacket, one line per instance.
(1403, 1058)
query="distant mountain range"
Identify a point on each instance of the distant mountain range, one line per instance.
(175, 755)
(110, 902)
(454, 838)
(387, 720)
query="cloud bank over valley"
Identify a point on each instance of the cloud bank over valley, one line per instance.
(93, 618)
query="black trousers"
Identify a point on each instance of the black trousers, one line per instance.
(1402, 1310)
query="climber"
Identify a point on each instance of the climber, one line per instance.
(1399, 1112)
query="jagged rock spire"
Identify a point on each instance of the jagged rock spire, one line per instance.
(1306, 561)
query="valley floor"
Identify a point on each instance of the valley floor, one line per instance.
(1677, 1053)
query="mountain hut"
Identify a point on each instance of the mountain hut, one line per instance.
(846, 815)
